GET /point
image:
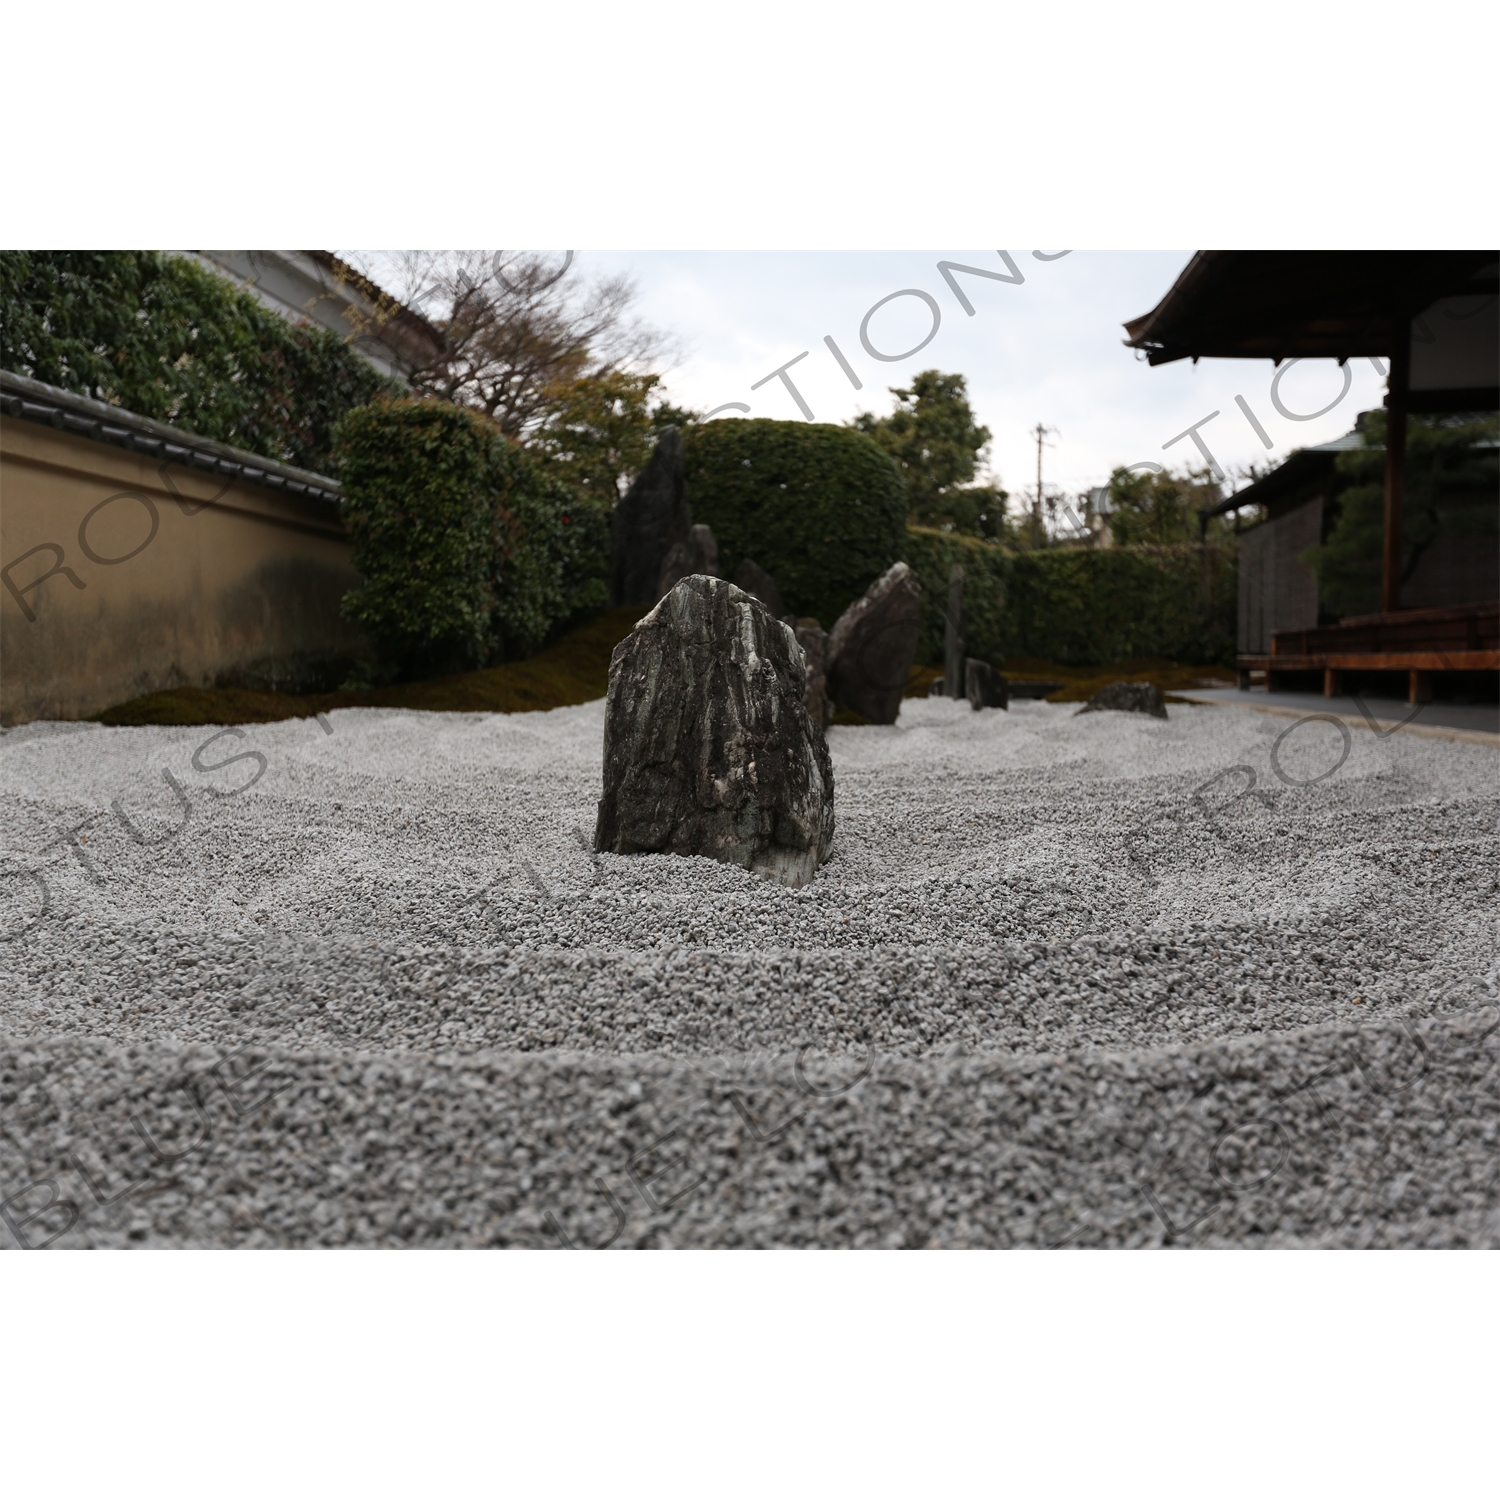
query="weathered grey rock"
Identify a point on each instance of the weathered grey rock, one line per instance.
(985, 687)
(814, 642)
(754, 579)
(1128, 698)
(954, 681)
(708, 748)
(870, 649)
(699, 553)
(651, 519)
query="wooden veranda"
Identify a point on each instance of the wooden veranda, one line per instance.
(1417, 642)
(1283, 305)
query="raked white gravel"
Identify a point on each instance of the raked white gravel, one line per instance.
(1099, 980)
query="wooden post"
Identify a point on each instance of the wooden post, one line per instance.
(1332, 682)
(953, 635)
(1418, 686)
(1395, 464)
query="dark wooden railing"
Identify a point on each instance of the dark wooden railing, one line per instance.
(1419, 642)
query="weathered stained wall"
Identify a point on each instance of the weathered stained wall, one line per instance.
(161, 576)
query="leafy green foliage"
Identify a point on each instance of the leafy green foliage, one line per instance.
(1111, 604)
(468, 549)
(987, 569)
(664, 414)
(1160, 509)
(551, 562)
(821, 508)
(161, 336)
(1079, 606)
(975, 510)
(1451, 482)
(600, 431)
(420, 482)
(937, 446)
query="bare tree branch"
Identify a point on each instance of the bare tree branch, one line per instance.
(519, 325)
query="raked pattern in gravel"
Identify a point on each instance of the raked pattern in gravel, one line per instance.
(1098, 980)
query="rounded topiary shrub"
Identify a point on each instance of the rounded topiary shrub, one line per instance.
(418, 477)
(821, 508)
(467, 549)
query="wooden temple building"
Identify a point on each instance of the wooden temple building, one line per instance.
(1433, 318)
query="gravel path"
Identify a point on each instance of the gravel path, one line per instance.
(1080, 981)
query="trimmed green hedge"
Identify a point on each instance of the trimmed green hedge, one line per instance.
(821, 508)
(468, 550)
(161, 336)
(986, 579)
(1080, 608)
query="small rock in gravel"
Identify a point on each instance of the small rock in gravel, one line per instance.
(1128, 698)
(870, 649)
(984, 686)
(708, 748)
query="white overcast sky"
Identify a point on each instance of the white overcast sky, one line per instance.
(1047, 350)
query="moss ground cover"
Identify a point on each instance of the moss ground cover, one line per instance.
(574, 670)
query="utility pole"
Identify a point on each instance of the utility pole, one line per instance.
(1040, 434)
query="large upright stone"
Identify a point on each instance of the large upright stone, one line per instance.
(754, 579)
(707, 746)
(647, 523)
(698, 554)
(870, 650)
